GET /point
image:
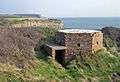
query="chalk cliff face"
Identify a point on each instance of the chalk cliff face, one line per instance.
(112, 36)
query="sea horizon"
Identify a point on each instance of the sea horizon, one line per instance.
(90, 22)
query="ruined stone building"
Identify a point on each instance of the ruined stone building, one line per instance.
(70, 42)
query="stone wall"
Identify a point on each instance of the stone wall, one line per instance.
(60, 38)
(77, 42)
(97, 41)
(50, 51)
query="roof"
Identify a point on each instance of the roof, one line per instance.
(78, 31)
(55, 46)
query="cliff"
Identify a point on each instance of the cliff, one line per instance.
(31, 22)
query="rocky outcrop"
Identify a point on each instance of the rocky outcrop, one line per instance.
(111, 36)
(115, 77)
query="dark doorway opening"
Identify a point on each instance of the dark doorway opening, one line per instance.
(59, 56)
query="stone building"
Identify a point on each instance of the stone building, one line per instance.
(76, 41)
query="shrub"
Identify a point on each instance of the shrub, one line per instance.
(17, 45)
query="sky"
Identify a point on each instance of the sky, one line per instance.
(63, 8)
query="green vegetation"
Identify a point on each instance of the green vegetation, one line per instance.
(8, 21)
(83, 68)
(13, 16)
(55, 20)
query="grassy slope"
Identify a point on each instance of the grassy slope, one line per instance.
(98, 68)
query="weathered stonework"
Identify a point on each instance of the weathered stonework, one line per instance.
(56, 51)
(70, 42)
(80, 42)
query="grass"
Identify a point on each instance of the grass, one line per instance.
(83, 68)
(102, 65)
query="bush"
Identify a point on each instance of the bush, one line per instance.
(17, 45)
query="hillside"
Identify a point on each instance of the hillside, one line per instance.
(17, 45)
(113, 37)
(21, 22)
(36, 65)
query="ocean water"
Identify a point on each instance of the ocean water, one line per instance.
(91, 23)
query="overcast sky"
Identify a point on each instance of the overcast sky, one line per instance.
(63, 8)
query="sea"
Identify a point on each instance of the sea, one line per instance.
(91, 22)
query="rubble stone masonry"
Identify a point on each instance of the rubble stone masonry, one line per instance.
(80, 42)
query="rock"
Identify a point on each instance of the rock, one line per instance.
(112, 37)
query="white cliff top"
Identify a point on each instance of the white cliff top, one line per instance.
(78, 31)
